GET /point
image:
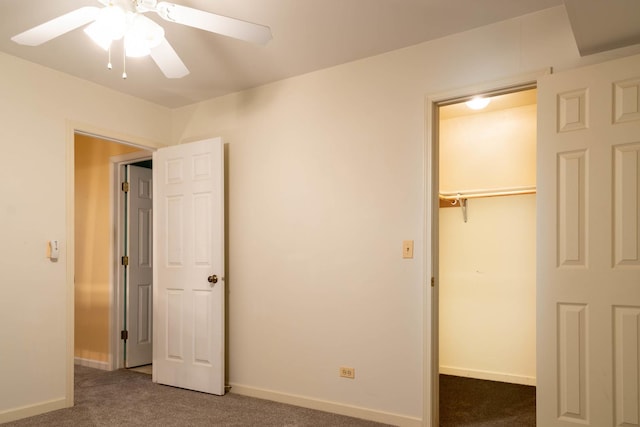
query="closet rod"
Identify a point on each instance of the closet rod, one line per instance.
(473, 194)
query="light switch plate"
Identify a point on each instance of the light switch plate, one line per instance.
(407, 249)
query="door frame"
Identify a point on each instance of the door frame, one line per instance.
(118, 220)
(73, 128)
(431, 299)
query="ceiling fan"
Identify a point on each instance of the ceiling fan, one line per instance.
(124, 19)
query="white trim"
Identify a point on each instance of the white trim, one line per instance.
(115, 282)
(145, 153)
(510, 84)
(116, 224)
(488, 375)
(430, 393)
(110, 135)
(32, 410)
(430, 295)
(70, 254)
(327, 406)
(89, 363)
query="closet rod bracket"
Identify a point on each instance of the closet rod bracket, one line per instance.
(462, 202)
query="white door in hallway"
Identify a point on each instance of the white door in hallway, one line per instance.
(188, 270)
(139, 271)
(588, 275)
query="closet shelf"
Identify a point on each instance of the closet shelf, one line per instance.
(493, 192)
(460, 197)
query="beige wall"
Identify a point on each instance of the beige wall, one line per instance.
(489, 150)
(39, 109)
(93, 232)
(488, 290)
(325, 180)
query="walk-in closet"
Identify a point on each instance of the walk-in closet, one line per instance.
(487, 239)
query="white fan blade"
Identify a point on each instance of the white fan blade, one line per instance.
(57, 26)
(168, 61)
(211, 22)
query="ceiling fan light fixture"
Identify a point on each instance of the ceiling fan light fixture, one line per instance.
(134, 48)
(166, 11)
(98, 36)
(145, 5)
(142, 35)
(110, 25)
(145, 29)
(123, 19)
(112, 21)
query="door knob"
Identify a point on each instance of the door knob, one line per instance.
(212, 279)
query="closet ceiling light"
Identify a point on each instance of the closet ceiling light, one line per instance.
(478, 103)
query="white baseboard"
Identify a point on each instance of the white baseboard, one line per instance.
(326, 406)
(488, 375)
(97, 364)
(32, 410)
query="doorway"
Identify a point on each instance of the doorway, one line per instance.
(483, 236)
(98, 293)
(195, 173)
(487, 238)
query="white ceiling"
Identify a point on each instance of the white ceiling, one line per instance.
(600, 25)
(307, 35)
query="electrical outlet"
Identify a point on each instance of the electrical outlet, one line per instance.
(347, 372)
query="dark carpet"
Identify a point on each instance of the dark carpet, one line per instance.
(479, 403)
(120, 398)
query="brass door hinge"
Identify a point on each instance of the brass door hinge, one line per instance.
(125, 260)
(433, 282)
(125, 187)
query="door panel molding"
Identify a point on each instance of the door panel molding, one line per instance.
(588, 290)
(189, 312)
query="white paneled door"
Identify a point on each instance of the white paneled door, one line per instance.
(139, 271)
(589, 246)
(188, 270)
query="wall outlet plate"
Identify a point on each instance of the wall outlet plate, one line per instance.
(346, 372)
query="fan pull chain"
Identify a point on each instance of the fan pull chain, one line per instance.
(124, 62)
(109, 66)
